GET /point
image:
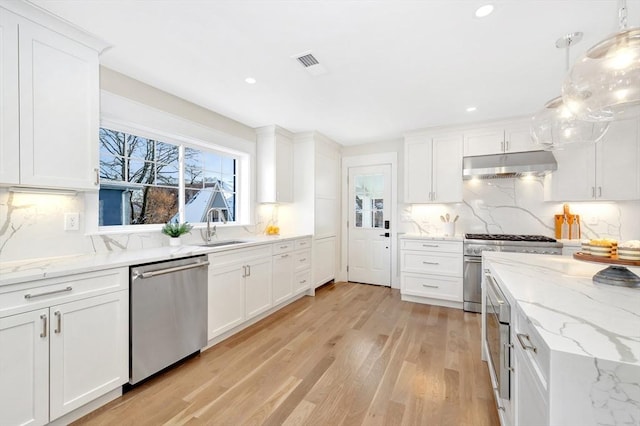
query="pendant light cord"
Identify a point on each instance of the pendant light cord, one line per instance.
(622, 14)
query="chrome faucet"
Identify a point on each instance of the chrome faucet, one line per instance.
(210, 232)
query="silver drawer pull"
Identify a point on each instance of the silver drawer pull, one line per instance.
(284, 256)
(525, 346)
(430, 245)
(59, 325)
(430, 263)
(303, 281)
(303, 260)
(43, 317)
(430, 286)
(284, 247)
(48, 293)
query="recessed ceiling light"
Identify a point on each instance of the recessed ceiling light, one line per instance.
(471, 109)
(483, 11)
(250, 80)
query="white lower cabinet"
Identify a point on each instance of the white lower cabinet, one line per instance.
(239, 285)
(431, 271)
(282, 277)
(63, 344)
(324, 264)
(24, 369)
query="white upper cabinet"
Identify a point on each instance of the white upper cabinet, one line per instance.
(607, 171)
(433, 168)
(49, 90)
(275, 165)
(506, 137)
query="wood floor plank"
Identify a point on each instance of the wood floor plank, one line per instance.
(353, 355)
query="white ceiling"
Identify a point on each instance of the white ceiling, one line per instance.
(393, 65)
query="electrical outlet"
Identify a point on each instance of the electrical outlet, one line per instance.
(71, 221)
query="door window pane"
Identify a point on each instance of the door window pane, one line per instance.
(369, 203)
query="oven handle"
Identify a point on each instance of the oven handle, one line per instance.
(472, 259)
(494, 293)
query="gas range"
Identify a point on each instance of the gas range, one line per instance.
(475, 244)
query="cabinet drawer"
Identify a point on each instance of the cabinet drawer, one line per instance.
(302, 281)
(25, 297)
(526, 334)
(302, 260)
(239, 256)
(303, 243)
(435, 286)
(432, 245)
(432, 263)
(283, 247)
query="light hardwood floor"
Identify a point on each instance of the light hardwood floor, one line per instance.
(354, 354)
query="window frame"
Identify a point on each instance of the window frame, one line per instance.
(242, 176)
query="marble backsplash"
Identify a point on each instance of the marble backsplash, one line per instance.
(516, 206)
(32, 227)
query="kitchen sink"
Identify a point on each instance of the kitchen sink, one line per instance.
(222, 243)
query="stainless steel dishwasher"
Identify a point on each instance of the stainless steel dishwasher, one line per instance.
(168, 314)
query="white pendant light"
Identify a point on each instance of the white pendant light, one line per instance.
(555, 126)
(605, 83)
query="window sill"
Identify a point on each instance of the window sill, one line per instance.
(142, 229)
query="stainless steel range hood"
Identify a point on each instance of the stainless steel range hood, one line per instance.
(536, 163)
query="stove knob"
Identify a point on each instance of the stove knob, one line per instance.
(477, 251)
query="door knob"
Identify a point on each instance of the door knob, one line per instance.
(386, 234)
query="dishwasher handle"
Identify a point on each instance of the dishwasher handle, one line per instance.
(151, 274)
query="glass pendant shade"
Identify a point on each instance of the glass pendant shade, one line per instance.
(604, 84)
(555, 127)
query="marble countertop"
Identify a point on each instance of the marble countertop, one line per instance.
(435, 237)
(21, 271)
(570, 312)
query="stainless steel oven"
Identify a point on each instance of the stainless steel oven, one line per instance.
(475, 244)
(498, 340)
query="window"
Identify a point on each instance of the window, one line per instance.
(141, 181)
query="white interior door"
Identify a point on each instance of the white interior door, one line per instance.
(369, 210)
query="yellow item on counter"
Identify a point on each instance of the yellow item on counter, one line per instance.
(272, 230)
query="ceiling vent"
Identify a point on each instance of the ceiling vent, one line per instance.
(310, 63)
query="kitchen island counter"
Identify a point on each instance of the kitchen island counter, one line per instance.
(592, 332)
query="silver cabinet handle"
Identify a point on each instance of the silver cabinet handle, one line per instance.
(303, 259)
(58, 328)
(283, 247)
(248, 270)
(430, 286)
(284, 256)
(152, 274)
(599, 191)
(525, 346)
(502, 146)
(430, 263)
(97, 182)
(430, 245)
(303, 281)
(48, 293)
(593, 192)
(506, 146)
(244, 271)
(43, 317)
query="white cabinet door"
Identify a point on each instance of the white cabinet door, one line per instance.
(58, 110)
(274, 165)
(9, 122)
(89, 350)
(258, 287)
(284, 167)
(24, 369)
(447, 168)
(517, 138)
(418, 170)
(530, 402)
(324, 260)
(283, 273)
(618, 162)
(484, 141)
(226, 298)
(575, 178)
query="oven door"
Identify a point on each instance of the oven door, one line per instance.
(498, 338)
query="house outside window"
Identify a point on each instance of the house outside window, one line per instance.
(142, 180)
